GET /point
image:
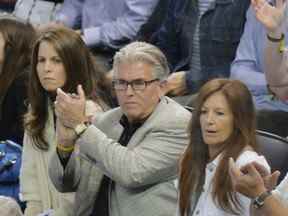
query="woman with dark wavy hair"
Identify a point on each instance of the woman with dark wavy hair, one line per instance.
(60, 59)
(222, 126)
(16, 38)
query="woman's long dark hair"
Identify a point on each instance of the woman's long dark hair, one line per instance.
(79, 68)
(18, 37)
(196, 156)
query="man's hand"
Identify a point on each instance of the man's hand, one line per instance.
(54, 24)
(270, 180)
(176, 85)
(247, 181)
(270, 16)
(65, 136)
(71, 109)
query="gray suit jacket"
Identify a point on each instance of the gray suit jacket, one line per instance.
(143, 171)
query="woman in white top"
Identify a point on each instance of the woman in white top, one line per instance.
(222, 126)
(60, 59)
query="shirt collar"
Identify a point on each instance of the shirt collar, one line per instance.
(215, 162)
(126, 124)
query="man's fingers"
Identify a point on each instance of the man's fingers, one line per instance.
(271, 180)
(60, 107)
(274, 178)
(234, 171)
(252, 171)
(261, 169)
(244, 168)
(61, 95)
(74, 96)
(81, 92)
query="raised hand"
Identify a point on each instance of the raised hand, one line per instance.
(71, 109)
(175, 85)
(270, 180)
(247, 181)
(270, 16)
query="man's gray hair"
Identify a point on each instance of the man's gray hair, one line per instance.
(146, 53)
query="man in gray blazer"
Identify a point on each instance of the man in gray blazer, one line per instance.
(136, 146)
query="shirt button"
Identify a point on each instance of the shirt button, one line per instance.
(211, 169)
(197, 212)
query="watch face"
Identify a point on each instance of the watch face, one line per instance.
(79, 129)
(259, 201)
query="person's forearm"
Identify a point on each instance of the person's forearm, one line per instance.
(276, 68)
(272, 207)
(273, 60)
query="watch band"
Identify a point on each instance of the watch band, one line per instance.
(258, 202)
(81, 128)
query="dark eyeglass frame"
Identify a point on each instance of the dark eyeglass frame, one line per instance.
(136, 85)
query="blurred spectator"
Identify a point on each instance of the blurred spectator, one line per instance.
(222, 126)
(16, 39)
(9, 207)
(37, 11)
(7, 6)
(249, 67)
(60, 59)
(106, 25)
(200, 39)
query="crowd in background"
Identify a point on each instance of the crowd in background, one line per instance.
(96, 93)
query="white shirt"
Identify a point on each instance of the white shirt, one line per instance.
(206, 205)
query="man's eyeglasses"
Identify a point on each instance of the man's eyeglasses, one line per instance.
(135, 84)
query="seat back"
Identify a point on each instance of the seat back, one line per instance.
(275, 150)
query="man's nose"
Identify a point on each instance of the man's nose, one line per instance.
(129, 90)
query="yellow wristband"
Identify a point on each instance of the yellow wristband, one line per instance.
(64, 148)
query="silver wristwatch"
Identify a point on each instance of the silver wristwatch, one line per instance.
(258, 202)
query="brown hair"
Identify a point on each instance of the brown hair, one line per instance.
(80, 69)
(19, 37)
(196, 157)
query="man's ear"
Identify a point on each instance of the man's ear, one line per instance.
(163, 87)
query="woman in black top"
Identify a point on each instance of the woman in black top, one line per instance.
(16, 39)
